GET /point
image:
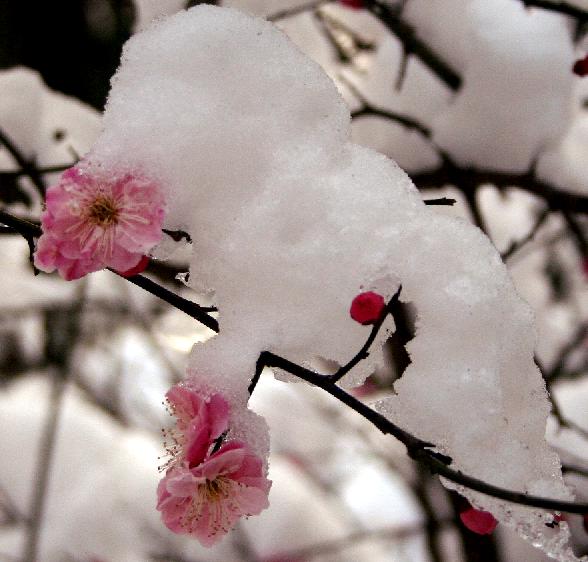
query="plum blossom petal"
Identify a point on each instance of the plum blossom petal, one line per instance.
(199, 423)
(205, 501)
(96, 219)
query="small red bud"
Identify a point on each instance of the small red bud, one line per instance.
(353, 4)
(137, 269)
(580, 67)
(478, 521)
(367, 308)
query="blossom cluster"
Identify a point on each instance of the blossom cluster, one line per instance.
(95, 219)
(209, 484)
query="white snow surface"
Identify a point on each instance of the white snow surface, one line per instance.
(290, 221)
(515, 65)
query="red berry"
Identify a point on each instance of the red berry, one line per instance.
(478, 521)
(353, 4)
(559, 517)
(367, 308)
(581, 66)
(137, 269)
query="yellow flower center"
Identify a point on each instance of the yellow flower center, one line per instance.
(217, 489)
(103, 212)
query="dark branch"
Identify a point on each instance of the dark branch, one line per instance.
(370, 109)
(178, 235)
(559, 362)
(190, 308)
(408, 122)
(42, 171)
(441, 201)
(515, 246)
(559, 7)
(27, 167)
(578, 471)
(30, 231)
(364, 351)
(412, 45)
(290, 12)
(417, 449)
(451, 174)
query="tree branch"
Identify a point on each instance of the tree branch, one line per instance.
(413, 45)
(417, 449)
(290, 12)
(30, 231)
(27, 167)
(451, 174)
(559, 7)
(516, 246)
(63, 330)
(363, 353)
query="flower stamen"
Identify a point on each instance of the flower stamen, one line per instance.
(103, 212)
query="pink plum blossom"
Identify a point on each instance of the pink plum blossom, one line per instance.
(206, 500)
(96, 219)
(199, 422)
(205, 490)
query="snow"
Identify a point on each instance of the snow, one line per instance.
(290, 221)
(516, 74)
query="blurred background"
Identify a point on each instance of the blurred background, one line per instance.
(478, 104)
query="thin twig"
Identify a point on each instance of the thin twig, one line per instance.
(43, 465)
(12, 513)
(42, 171)
(301, 8)
(30, 231)
(417, 449)
(27, 167)
(578, 234)
(440, 201)
(515, 246)
(470, 195)
(559, 7)
(431, 526)
(370, 109)
(559, 363)
(199, 313)
(571, 469)
(412, 45)
(364, 351)
(61, 349)
(451, 174)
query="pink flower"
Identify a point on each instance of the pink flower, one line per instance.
(367, 308)
(199, 423)
(478, 521)
(96, 219)
(206, 500)
(204, 490)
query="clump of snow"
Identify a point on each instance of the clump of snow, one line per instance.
(517, 80)
(290, 221)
